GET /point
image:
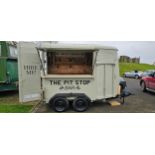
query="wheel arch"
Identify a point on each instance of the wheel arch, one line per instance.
(141, 81)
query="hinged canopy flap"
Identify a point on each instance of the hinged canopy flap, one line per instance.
(61, 46)
(29, 72)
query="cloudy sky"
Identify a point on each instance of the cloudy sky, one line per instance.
(145, 50)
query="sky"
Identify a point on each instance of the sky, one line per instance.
(143, 49)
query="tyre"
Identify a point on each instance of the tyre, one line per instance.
(143, 86)
(60, 104)
(81, 104)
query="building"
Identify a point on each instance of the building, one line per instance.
(127, 59)
(124, 58)
(135, 60)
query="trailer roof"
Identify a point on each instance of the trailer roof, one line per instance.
(58, 46)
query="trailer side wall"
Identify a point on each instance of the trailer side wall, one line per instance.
(102, 84)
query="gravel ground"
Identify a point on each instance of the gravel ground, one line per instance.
(140, 102)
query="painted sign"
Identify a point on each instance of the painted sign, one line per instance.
(70, 84)
(30, 69)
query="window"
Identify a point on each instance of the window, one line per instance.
(13, 51)
(73, 62)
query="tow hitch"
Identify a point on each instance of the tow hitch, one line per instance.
(125, 93)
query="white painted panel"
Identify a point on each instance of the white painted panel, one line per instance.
(29, 72)
(106, 57)
(100, 81)
(109, 80)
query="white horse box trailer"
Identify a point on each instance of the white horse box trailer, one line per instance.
(60, 74)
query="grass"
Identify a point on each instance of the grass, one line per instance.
(15, 108)
(126, 67)
(9, 103)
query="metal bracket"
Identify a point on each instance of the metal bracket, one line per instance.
(41, 62)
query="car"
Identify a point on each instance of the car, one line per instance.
(147, 73)
(133, 74)
(147, 83)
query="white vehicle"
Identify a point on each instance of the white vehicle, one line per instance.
(133, 74)
(60, 73)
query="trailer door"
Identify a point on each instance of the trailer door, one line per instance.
(29, 72)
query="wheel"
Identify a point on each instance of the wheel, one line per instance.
(81, 104)
(60, 104)
(136, 77)
(143, 86)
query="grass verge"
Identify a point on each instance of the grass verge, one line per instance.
(127, 67)
(9, 103)
(14, 108)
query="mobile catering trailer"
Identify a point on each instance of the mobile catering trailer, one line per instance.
(60, 74)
